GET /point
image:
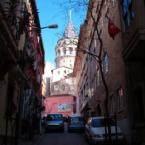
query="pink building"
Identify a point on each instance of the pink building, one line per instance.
(60, 104)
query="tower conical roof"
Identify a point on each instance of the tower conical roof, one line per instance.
(70, 31)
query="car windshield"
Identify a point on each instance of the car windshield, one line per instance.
(100, 122)
(77, 119)
(55, 117)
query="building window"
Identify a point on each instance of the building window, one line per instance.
(113, 2)
(52, 88)
(56, 87)
(105, 63)
(94, 81)
(98, 78)
(128, 12)
(121, 99)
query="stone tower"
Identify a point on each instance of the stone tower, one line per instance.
(66, 47)
(61, 81)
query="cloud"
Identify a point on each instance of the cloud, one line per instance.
(47, 70)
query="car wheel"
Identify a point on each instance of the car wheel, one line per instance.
(86, 137)
(90, 140)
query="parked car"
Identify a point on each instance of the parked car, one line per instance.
(76, 123)
(54, 122)
(95, 131)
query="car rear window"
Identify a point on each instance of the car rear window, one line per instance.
(101, 123)
(76, 120)
(51, 117)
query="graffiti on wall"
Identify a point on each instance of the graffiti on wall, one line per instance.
(64, 107)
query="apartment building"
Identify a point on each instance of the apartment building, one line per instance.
(115, 45)
(101, 85)
(133, 26)
(21, 64)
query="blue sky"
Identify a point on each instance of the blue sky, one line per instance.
(56, 12)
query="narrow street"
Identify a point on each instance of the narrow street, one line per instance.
(59, 138)
(62, 139)
(75, 62)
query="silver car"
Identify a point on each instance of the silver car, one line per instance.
(96, 132)
(54, 122)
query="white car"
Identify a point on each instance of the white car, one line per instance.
(95, 131)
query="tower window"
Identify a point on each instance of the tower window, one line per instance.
(58, 52)
(63, 87)
(70, 50)
(64, 51)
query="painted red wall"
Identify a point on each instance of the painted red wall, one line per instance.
(59, 104)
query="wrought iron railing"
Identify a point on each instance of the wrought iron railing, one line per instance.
(16, 16)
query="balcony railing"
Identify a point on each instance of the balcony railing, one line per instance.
(16, 16)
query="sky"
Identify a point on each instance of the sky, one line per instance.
(56, 12)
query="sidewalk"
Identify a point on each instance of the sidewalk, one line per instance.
(35, 141)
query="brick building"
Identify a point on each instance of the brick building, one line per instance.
(117, 29)
(101, 84)
(133, 26)
(21, 64)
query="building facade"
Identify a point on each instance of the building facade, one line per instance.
(111, 68)
(133, 26)
(59, 104)
(101, 75)
(21, 64)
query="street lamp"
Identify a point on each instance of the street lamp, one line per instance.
(99, 60)
(52, 26)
